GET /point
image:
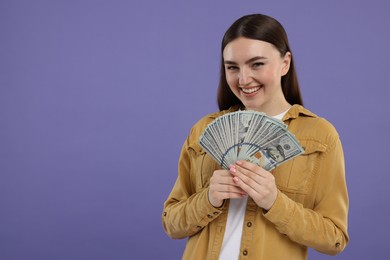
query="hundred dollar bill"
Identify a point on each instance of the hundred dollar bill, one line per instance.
(251, 136)
(274, 153)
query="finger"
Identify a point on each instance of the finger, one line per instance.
(260, 171)
(236, 195)
(246, 175)
(237, 175)
(249, 166)
(219, 192)
(229, 194)
(219, 182)
(230, 188)
(246, 186)
(249, 181)
(222, 180)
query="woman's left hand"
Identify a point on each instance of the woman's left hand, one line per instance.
(258, 183)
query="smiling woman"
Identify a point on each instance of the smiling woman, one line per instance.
(253, 72)
(270, 35)
(246, 210)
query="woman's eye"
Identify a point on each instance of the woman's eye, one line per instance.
(257, 64)
(231, 67)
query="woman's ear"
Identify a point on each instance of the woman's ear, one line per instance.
(286, 63)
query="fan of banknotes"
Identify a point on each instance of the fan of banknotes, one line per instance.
(251, 136)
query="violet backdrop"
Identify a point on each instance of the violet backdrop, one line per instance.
(97, 97)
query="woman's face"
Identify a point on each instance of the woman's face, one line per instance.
(253, 72)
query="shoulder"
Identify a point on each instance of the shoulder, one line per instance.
(307, 126)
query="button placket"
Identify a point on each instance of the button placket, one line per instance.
(250, 214)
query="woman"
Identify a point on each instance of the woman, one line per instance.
(247, 212)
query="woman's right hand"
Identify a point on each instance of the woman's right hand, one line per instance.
(223, 187)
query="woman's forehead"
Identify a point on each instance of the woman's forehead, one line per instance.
(244, 49)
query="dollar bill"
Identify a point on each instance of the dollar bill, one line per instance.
(251, 136)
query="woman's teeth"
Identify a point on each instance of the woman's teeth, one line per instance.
(250, 90)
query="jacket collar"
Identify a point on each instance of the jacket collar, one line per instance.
(295, 111)
(292, 113)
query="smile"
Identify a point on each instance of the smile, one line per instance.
(250, 90)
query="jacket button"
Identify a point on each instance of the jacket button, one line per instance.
(245, 252)
(249, 224)
(337, 244)
(209, 216)
(165, 214)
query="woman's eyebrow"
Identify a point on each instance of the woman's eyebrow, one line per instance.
(229, 62)
(255, 58)
(248, 61)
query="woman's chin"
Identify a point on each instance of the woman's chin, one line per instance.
(251, 106)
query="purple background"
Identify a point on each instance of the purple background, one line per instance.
(97, 97)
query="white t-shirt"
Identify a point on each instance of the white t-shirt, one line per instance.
(235, 220)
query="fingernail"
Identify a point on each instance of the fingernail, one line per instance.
(232, 168)
(239, 162)
(235, 179)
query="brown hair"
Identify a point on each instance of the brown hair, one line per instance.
(264, 28)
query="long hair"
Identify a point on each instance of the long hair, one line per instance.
(264, 28)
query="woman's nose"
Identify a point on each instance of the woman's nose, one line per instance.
(244, 77)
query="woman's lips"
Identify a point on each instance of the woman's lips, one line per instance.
(251, 90)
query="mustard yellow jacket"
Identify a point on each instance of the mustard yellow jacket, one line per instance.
(311, 209)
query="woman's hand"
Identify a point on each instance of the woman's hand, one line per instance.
(258, 183)
(222, 186)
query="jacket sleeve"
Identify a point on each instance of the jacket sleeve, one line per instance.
(324, 227)
(187, 210)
